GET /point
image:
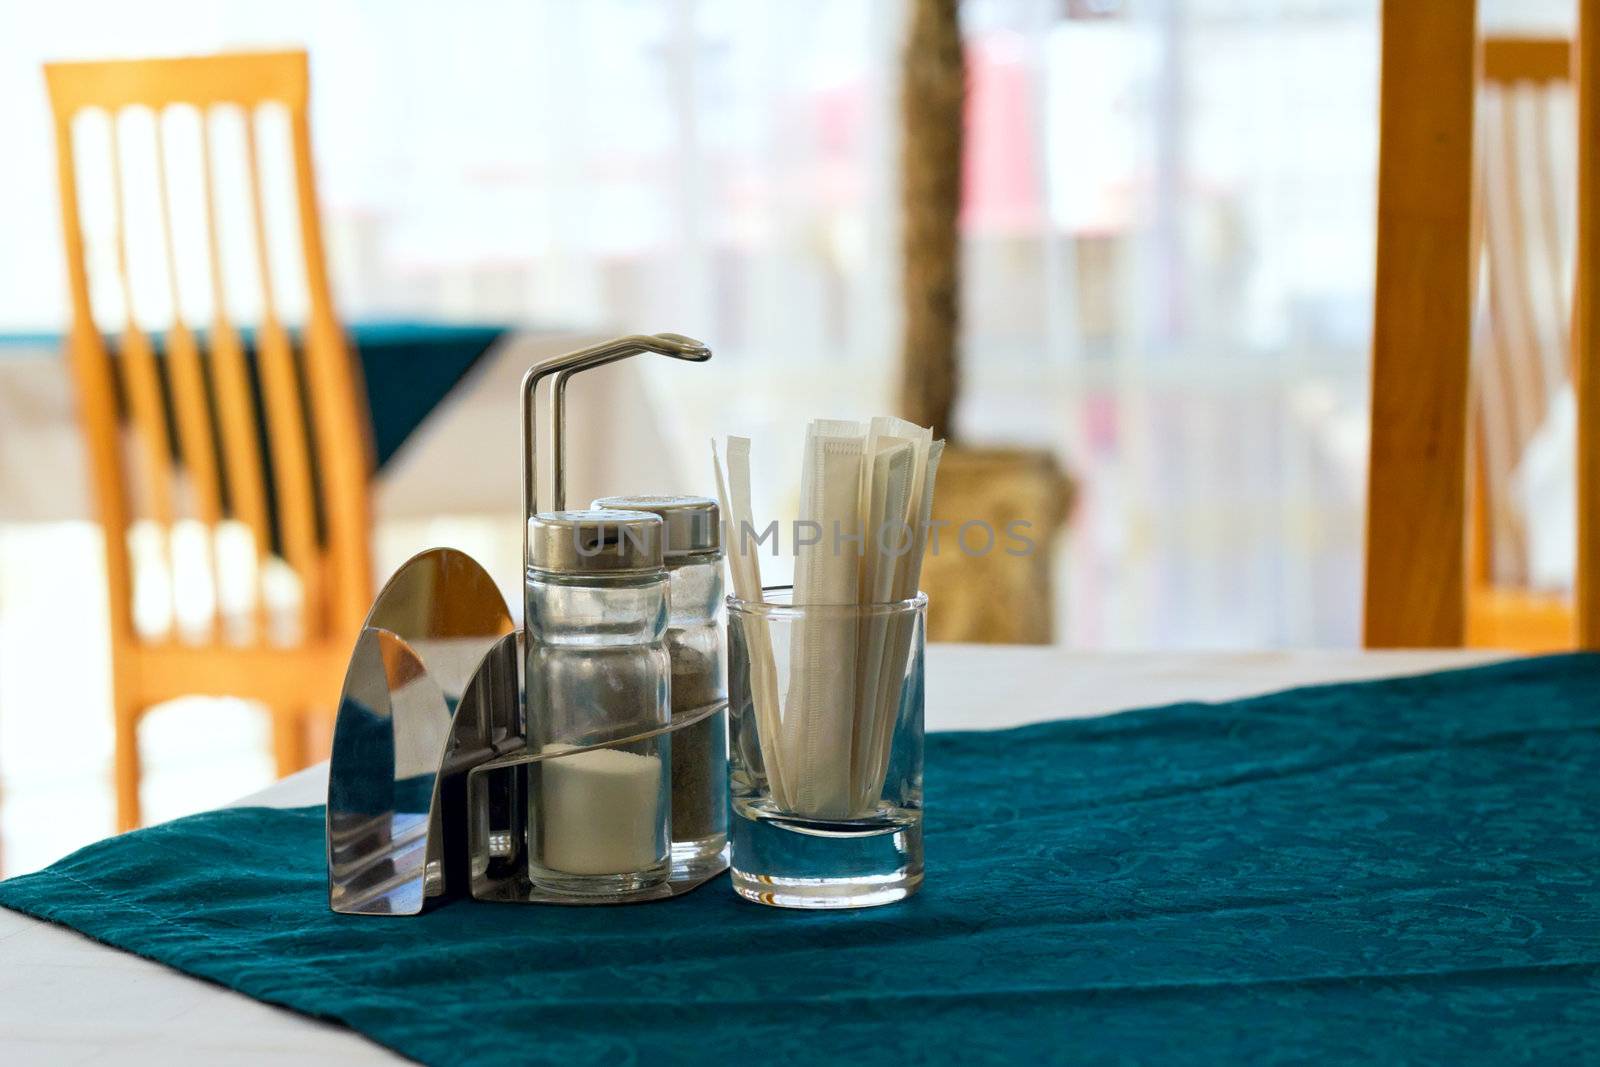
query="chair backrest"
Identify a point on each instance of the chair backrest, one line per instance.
(1417, 479)
(1522, 345)
(304, 495)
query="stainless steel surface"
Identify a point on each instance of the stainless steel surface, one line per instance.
(430, 749)
(431, 685)
(689, 349)
(672, 345)
(499, 814)
(594, 542)
(692, 522)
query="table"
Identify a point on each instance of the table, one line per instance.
(66, 1000)
(444, 447)
(408, 368)
(42, 473)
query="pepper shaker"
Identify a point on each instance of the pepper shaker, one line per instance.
(692, 552)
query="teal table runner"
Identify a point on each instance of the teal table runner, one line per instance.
(1400, 871)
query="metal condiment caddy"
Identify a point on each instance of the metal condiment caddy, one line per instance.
(471, 758)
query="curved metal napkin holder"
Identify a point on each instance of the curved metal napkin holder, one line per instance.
(431, 690)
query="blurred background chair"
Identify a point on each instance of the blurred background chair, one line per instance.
(1434, 578)
(1520, 570)
(229, 466)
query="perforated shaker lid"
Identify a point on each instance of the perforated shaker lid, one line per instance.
(609, 541)
(693, 523)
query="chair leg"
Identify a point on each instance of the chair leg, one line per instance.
(289, 739)
(129, 816)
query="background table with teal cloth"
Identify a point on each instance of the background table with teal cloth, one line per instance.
(1402, 870)
(409, 366)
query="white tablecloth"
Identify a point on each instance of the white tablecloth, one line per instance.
(67, 1000)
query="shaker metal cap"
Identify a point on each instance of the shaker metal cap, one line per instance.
(692, 522)
(594, 542)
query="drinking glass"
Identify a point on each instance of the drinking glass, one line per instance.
(825, 750)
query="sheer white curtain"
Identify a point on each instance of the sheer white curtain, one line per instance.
(722, 163)
(1170, 273)
(1169, 229)
(1192, 288)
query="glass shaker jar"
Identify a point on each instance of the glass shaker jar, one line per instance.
(693, 555)
(597, 672)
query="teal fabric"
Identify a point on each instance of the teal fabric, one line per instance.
(409, 366)
(1401, 871)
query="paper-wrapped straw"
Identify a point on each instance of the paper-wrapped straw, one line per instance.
(745, 568)
(819, 726)
(869, 493)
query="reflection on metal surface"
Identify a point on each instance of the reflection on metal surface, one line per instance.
(447, 607)
(431, 688)
(671, 345)
(499, 816)
(432, 697)
(431, 705)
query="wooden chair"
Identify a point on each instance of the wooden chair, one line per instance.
(1521, 357)
(316, 426)
(1417, 574)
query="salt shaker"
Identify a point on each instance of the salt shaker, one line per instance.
(598, 671)
(692, 552)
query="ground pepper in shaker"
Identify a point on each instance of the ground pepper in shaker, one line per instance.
(692, 553)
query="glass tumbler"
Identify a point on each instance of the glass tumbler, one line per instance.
(825, 750)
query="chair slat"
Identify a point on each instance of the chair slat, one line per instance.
(1525, 378)
(286, 426)
(334, 384)
(141, 377)
(241, 452)
(97, 397)
(1481, 541)
(1497, 440)
(191, 409)
(191, 405)
(1557, 359)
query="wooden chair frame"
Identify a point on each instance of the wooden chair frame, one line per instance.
(1417, 574)
(1501, 614)
(334, 570)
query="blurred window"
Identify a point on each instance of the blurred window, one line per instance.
(1168, 221)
